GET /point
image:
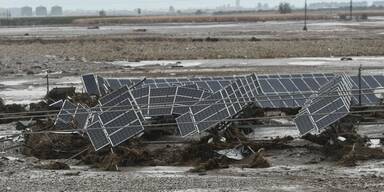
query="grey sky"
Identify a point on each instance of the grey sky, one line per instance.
(145, 4)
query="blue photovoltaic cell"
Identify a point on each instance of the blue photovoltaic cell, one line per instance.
(90, 84)
(126, 133)
(328, 106)
(185, 125)
(97, 136)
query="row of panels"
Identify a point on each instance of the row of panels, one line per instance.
(216, 108)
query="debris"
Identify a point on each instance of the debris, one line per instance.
(346, 59)
(110, 162)
(211, 164)
(358, 152)
(374, 143)
(61, 93)
(23, 125)
(140, 30)
(231, 153)
(257, 160)
(93, 27)
(9, 158)
(237, 153)
(52, 146)
(76, 173)
(340, 138)
(54, 165)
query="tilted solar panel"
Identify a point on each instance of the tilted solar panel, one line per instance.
(329, 105)
(90, 84)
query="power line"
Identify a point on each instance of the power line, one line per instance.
(158, 107)
(224, 120)
(264, 98)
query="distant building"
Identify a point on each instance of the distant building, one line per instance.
(15, 12)
(266, 6)
(26, 11)
(171, 10)
(238, 4)
(56, 11)
(378, 4)
(41, 11)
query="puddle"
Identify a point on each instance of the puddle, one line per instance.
(334, 24)
(184, 63)
(26, 91)
(13, 82)
(308, 63)
(23, 96)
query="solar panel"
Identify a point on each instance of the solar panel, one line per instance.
(125, 133)
(102, 86)
(216, 108)
(185, 124)
(121, 119)
(112, 96)
(114, 84)
(367, 84)
(216, 83)
(97, 135)
(289, 91)
(65, 116)
(81, 117)
(161, 101)
(326, 107)
(90, 84)
(141, 96)
(184, 98)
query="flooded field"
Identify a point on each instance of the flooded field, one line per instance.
(161, 160)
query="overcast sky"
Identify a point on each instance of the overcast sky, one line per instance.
(145, 4)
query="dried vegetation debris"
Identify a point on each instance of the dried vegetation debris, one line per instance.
(348, 151)
(202, 154)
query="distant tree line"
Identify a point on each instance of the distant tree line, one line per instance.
(285, 8)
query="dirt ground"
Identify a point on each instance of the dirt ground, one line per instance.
(296, 169)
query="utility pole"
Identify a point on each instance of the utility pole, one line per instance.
(350, 10)
(47, 83)
(360, 68)
(305, 17)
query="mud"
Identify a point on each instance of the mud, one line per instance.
(54, 165)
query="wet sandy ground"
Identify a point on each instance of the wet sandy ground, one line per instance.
(260, 30)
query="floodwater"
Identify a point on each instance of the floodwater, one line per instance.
(299, 61)
(25, 90)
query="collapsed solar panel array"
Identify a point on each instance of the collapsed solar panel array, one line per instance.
(203, 103)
